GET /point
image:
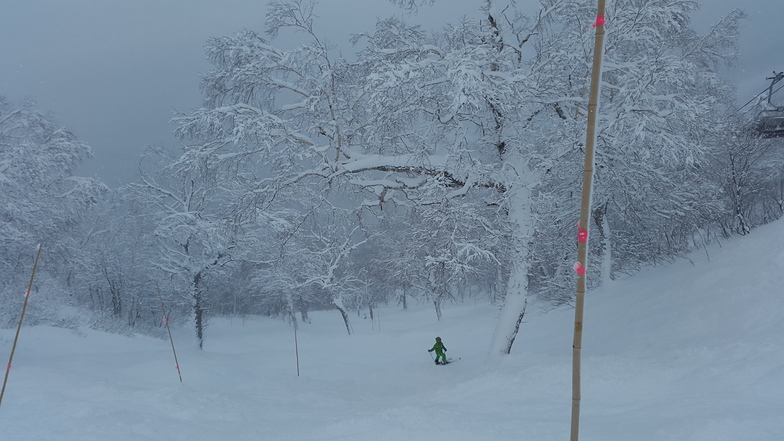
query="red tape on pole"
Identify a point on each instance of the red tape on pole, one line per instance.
(582, 233)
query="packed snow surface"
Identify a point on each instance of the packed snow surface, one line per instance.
(687, 352)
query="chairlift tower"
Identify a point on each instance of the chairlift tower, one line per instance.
(771, 120)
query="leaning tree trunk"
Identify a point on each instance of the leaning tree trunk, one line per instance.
(511, 313)
(338, 302)
(516, 298)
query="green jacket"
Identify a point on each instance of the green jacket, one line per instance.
(439, 348)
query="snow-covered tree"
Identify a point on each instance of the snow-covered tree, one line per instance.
(748, 170)
(116, 278)
(41, 201)
(477, 130)
(661, 102)
(415, 121)
(194, 238)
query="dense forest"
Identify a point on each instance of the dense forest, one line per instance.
(426, 166)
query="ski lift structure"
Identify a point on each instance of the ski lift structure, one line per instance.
(771, 119)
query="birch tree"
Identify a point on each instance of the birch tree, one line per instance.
(485, 118)
(360, 128)
(194, 239)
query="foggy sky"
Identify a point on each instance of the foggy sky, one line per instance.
(114, 71)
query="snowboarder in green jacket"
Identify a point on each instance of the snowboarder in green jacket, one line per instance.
(440, 349)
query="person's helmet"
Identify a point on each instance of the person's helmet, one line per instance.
(438, 338)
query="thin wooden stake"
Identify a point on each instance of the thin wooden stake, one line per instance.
(19, 328)
(585, 209)
(166, 320)
(296, 343)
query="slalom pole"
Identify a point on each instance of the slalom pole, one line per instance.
(21, 318)
(166, 320)
(585, 208)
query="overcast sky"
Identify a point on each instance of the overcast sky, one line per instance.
(113, 71)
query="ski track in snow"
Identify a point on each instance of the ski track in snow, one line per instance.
(687, 352)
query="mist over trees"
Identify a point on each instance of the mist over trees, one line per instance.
(428, 166)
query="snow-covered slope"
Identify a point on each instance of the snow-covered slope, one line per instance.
(688, 352)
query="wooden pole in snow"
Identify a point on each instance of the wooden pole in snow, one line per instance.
(296, 343)
(166, 321)
(585, 211)
(21, 318)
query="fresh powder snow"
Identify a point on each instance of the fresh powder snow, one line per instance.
(691, 351)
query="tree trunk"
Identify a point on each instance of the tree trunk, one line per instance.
(338, 302)
(516, 297)
(303, 310)
(510, 318)
(603, 226)
(199, 320)
(345, 319)
(198, 311)
(508, 348)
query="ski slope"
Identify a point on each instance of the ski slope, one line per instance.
(688, 352)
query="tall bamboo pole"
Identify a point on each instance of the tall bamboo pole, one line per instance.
(296, 347)
(296, 342)
(168, 328)
(585, 210)
(21, 318)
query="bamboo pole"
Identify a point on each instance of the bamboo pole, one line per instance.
(585, 209)
(296, 348)
(21, 318)
(296, 342)
(166, 321)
